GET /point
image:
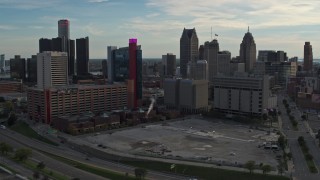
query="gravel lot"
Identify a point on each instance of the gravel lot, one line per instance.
(217, 141)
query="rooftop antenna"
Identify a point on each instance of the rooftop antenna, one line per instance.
(211, 32)
(248, 28)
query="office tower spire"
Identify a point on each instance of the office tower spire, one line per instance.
(188, 50)
(308, 57)
(248, 51)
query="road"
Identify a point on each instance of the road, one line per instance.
(301, 170)
(66, 152)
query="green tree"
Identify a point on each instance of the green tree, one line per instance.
(12, 119)
(266, 169)
(23, 154)
(140, 173)
(41, 165)
(281, 141)
(280, 169)
(8, 105)
(265, 117)
(250, 165)
(36, 175)
(5, 148)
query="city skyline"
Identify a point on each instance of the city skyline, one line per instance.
(274, 25)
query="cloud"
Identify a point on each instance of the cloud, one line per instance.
(28, 4)
(7, 27)
(98, 1)
(152, 15)
(232, 13)
(93, 30)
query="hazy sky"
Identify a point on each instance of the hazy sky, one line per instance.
(158, 24)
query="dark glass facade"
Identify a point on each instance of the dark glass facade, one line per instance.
(82, 56)
(32, 69)
(18, 68)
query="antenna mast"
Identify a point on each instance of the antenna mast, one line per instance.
(211, 33)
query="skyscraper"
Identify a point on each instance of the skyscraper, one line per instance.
(202, 70)
(57, 44)
(2, 63)
(64, 34)
(188, 50)
(45, 45)
(52, 69)
(111, 63)
(211, 50)
(248, 51)
(18, 68)
(169, 64)
(308, 57)
(71, 55)
(82, 56)
(67, 45)
(31, 69)
(127, 65)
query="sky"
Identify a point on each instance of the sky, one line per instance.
(158, 24)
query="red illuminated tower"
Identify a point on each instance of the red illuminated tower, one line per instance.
(133, 68)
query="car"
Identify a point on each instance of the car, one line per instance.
(3, 127)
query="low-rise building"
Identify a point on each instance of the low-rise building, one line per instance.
(45, 105)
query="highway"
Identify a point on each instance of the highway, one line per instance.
(66, 152)
(301, 170)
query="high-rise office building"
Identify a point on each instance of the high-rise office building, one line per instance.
(169, 64)
(224, 58)
(248, 51)
(201, 70)
(308, 57)
(45, 45)
(82, 56)
(211, 50)
(104, 68)
(127, 65)
(71, 55)
(2, 63)
(201, 52)
(52, 69)
(189, 52)
(18, 68)
(64, 34)
(111, 63)
(31, 69)
(57, 44)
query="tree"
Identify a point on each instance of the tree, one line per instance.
(265, 117)
(304, 117)
(5, 148)
(250, 165)
(266, 168)
(281, 141)
(12, 119)
(140, 173)
(280, 169)
(23, 154)
(8, 105)
(36, 175)
(309, 156)
(41, 165)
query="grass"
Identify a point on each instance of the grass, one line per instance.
(8, 168)
(92, 169)
(55, 175)
(310, 162)
(202, 172)
(24, 129)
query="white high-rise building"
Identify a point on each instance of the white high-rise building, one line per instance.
(52, 69)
